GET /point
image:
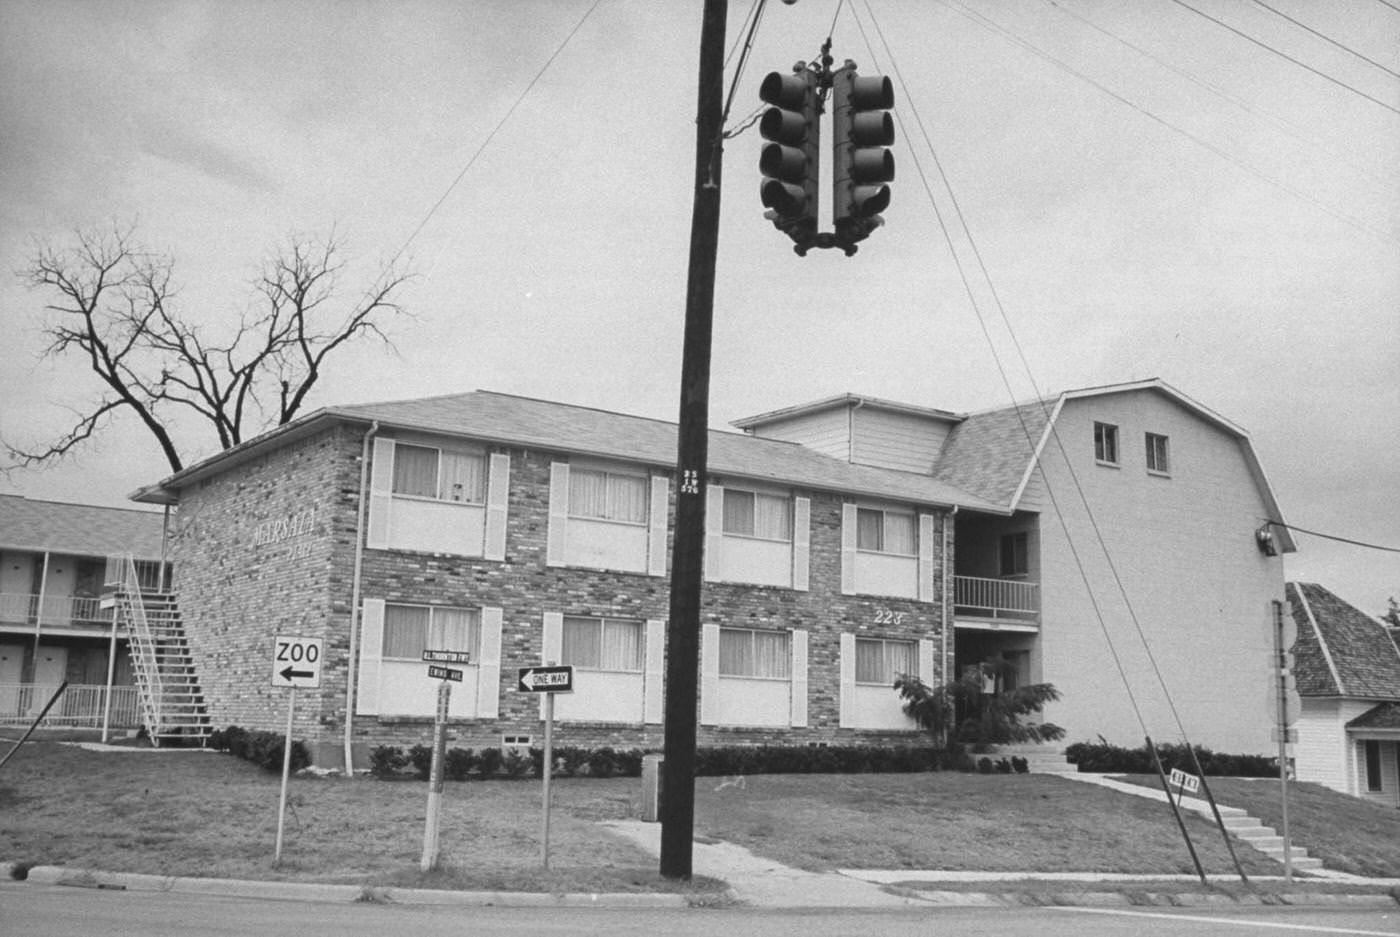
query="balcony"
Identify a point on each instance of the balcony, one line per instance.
(996, 604)
(55, 611)
(81, 706)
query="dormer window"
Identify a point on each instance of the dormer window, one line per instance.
(1105, 443)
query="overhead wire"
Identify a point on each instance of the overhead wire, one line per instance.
(1314, 533)
(996, 27)
(1328, 39)
(1284, 55)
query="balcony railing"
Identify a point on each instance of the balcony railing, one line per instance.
(81, 706)
(1011, 600)
(23, 608)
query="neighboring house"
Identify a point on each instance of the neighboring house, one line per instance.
(848, 541)
(1347, 672)
(53, 626)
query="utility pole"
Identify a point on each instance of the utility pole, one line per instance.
(677, 807)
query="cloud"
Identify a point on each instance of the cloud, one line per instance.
(168, 139)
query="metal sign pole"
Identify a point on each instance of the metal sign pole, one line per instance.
(1280, 662)
(286, 772)
(434, 821)
(545, 772)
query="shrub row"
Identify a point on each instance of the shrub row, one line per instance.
(1101, 757)
(264, 749)
(461, 764)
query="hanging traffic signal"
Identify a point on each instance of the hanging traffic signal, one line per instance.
(862, 128)
(791, 160)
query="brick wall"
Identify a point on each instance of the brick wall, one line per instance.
(250, 565)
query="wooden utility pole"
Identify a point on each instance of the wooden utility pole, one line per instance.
(677, 808)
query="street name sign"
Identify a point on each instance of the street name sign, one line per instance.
(552, 679)
(445, 673)
(1188, 783)
(448, 657)
(296, 662)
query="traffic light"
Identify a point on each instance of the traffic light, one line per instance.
(862, 128)
(791, 160)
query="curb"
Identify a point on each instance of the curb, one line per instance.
(331, 893)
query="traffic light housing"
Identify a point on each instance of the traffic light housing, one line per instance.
(791, 159)
(863, 129)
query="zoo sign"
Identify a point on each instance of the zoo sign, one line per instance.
(296, 662)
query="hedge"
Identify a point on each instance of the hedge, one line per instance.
(1103, 758)
(264, 749)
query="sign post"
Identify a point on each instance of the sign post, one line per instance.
(448, 676)
(296, 662)
(547, 680)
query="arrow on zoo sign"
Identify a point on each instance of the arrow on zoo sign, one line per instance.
(289, 674)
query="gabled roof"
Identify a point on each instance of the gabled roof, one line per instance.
(1384, 716)
(994, 453)
(1340, 650)
(840, 402)
(557, 427)
(78, 529)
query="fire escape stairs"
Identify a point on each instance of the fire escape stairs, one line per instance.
(171, 701)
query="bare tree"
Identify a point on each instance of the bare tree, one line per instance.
(115, 306)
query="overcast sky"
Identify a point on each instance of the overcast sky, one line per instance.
(1152, 195)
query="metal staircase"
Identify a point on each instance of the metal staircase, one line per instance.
(171, 702)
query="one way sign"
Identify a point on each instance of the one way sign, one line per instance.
(546, 679)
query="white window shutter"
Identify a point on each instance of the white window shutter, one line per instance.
(709, 674)
(848, 677)
(925, 591)
(371, 647)
(926, 672)
(653, 702)
(714, 531)
(656, 538)
(799, 678)
(551, 646)
(381, 485)
(848, 549)
(557, 540)
(801, 543)
(497, 499)
(488, 675)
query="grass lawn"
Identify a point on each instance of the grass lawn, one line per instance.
(1346, 833)
(194, 813)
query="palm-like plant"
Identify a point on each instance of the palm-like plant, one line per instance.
(977, 710)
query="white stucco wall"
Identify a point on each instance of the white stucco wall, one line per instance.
(1183, 547)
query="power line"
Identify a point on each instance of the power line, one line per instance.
(992, 25)
(1329, 39)
(1355, 543)
(1284, 55)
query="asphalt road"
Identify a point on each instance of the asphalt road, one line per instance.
(58, 911)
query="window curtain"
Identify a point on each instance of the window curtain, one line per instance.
(602, 644)
(773, 517)
(405, 631)
(463, 478)
(883, 661)
(738, 512)
(754, 654)
(899, 534)
(415, 471)
(582, 642)
(588, 493)
(454, 629)
(627, 496)
(622, 645)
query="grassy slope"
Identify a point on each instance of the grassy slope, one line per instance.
(194, 813)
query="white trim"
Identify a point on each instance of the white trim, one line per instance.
(557, 536)
(848, 548)
(709, 674)
(656, 537)
(497, 506)
(371, 646)
(381, 482)
(846, 697)
(924, 548)
(801, 543)
(653, 704)
(798, 712)
(714, 530)
(488, 675)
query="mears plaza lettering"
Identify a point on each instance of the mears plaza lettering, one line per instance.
(284, 528)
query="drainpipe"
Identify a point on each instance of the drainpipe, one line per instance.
(39, 618)
(950, 628)
(350, 664)
(164, 539)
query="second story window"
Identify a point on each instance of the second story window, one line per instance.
(603, 644)
(880, 531)
(608, 496)
(1106, 443)
(750, 514)
(425, 472)
(1157, 460)
(1015, 554)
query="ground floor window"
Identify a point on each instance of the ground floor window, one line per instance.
(409, 630)
(763, 654)
(604, 644)
(880, 661)
(1373, 765)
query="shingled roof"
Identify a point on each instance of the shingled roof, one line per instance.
(1340, 650)
(558, 427)
(78, 529)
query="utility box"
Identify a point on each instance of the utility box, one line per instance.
(652, 787)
